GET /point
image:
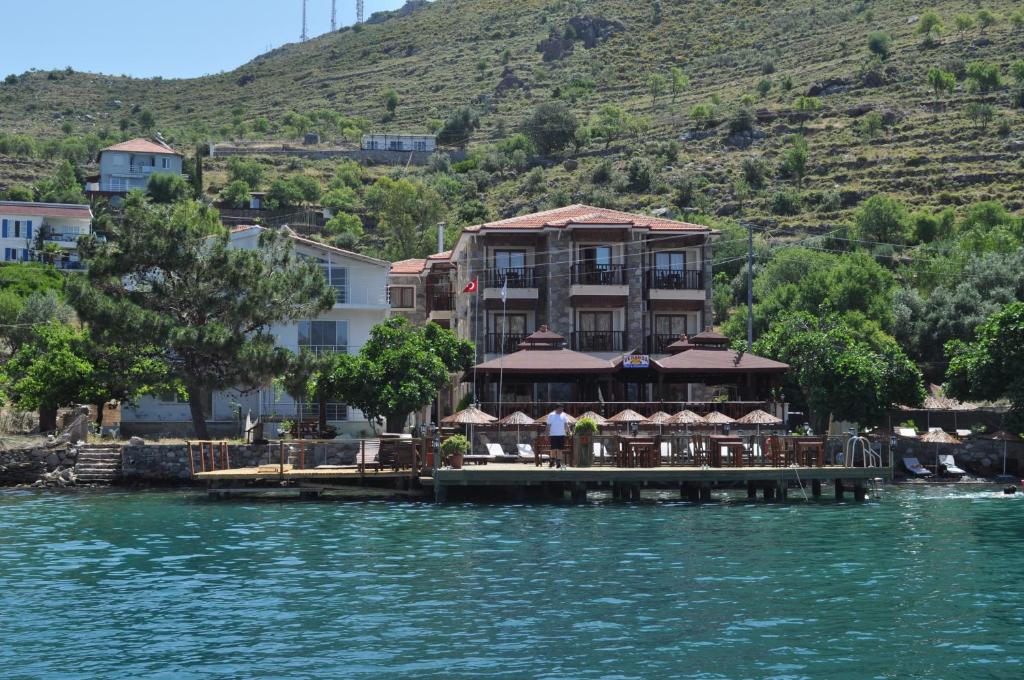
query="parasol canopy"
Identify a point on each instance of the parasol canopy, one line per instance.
(939, 437)
(469, 416)
(659, 418)
(1002, 436)
(687, 417)
(759, 417)
(517, 418)
(543, 420)
(718, 418)
(596, 417)
(627, 416)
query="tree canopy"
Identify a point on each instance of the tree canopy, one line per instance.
(170, 279)
(399, 370)
(407, 212)
(551, 126)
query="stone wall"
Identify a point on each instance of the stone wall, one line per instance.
(171, 463)
(25, 466)
(983, 457)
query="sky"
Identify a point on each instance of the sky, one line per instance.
(147, 38)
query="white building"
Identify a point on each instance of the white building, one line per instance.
(383, 142)
(360, 283)
(24, 226)
(129, 165)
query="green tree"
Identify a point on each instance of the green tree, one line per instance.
(391, 101)
(170, 279)
(236, 194)
(249, 172)
(963, 23)
(882, 218)
(880, 43)
(197, 176)
(987, 19)
(308, 187)
(836, 372)
(146, 120)
(458, 127)
(656, 86)
(400, 369)
(339, 198)
(807, 106)
(930, 26)
(983, 76)
(989, 367)
(680, 81)
(63, 187)
(611, 123)
(981, 114)
(406, 211)
(794, 161)
(167, 187)
(283, 194)
(551, 126)
(941, 81)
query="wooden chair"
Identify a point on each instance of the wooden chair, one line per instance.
(774, 451)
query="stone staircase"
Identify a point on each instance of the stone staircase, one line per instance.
(98, 463)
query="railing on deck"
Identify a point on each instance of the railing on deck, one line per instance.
(372, 456)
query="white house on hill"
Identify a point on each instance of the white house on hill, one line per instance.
(130, 164)
(24, 226)
(361, 303)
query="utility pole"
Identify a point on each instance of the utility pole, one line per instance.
(359, 11)
(750, 287)
(334, 15)
(305, 32)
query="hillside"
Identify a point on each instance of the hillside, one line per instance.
(923, 148)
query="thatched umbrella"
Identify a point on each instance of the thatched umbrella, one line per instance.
(598, 419)
(938, 437)
(517, 418)
(659, 418)
(757, 418)
(543, 420)
(627, 416)
(718, 418)
(469, 416)
(687, 418)
(1003, 436)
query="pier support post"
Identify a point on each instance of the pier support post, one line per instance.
(751, 490)
(705, 493)
(579, 493)
(440, 493)
(782, 491)
(309, 494)
(859, 491)
(768, 492)
(839, 489)
(816, 488)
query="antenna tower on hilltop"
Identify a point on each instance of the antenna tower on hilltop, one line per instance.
(334, 15)
(305, 33)
(359, 11)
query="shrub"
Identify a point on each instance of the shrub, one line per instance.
(754, 172)
(764, 86)
(787, 83)
(236, 194)
(603, 173)
(166, 187)
(551, 126)
(880, 43)
(453, 446)
(249, 172)
(929, 25)
(585, 427)
(741, 121)
(794, 162)
(987, 18)
(786, 203)
(981, 114)
(534, 180)
(458, 127)
(640, 173)
(871, 124)
(882, 218)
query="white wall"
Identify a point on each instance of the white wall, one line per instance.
(116, 168)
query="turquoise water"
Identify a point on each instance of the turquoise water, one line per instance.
(925, 584)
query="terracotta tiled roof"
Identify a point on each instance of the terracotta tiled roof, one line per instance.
(546, 361)
(583, 215)
(83, 212)
(142, 145)
(446, 255)
(413, 266)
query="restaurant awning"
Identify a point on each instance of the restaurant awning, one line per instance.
(541, 355)
(717, 361)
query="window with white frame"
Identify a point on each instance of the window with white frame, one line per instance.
(337, 277)
(323, 336)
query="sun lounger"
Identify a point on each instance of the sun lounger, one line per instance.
(908, 432)
(914, 466)
(527, 455)
(600, 451)
(495, 454)
(949, 462)
(963, 433)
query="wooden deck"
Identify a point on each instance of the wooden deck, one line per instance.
(273, 473)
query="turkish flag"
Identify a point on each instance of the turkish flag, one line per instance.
(471, 287)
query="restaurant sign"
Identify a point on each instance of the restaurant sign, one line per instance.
(636, 361)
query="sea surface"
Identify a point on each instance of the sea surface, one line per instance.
(926, 583)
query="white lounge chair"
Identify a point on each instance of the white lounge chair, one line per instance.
(600, 452)
(951, 467)
(527, 455)
(914, 466)
(907, 432)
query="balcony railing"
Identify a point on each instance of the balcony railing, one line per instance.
(503, 343)
(440, 301)
(599, 274)
(675, 279)
(657, 342)
(599, 341)
(63, 238)
(515, 277)
(320, 350)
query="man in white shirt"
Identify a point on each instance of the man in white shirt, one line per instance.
(558, 423)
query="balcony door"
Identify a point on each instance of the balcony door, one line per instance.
(510, 265)
(509, 331)
(670, 262)
(595, 332)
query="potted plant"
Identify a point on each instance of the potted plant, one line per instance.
(584, 431)
(453, 449)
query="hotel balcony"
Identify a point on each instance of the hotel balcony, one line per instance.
(502, 343)
(675, 284)
(657, 342)
(520, 282)
(604, 280)
(440, 305)
(599, 341)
